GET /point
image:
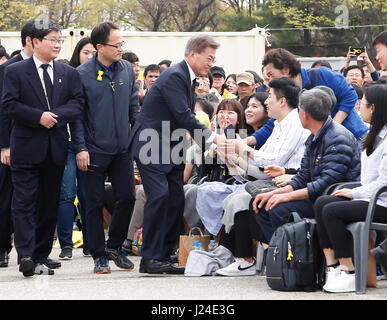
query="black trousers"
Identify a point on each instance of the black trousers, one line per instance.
(239, 239)
(36, 190)
(5, 208)
(119, 168)
(163, 210)
(333, 214)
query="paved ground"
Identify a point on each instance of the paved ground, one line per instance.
(75, 280)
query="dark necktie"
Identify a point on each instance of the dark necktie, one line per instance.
(47, 83)
(193, 93)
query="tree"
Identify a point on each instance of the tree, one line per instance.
(193, 16)
(14, 14)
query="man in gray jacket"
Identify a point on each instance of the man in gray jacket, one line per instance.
(101, 143)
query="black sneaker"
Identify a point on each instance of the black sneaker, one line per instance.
(66, 254)
(120, 258)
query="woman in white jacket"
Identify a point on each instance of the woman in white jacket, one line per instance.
(343, 207)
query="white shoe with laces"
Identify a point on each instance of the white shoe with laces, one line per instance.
(240, 267)
(343, 282)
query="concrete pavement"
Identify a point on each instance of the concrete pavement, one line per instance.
(75, 280)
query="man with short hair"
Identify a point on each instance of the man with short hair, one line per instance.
(246, 84)
(169, 104)
(354, 74)
(101, 143)
(281, 63)
(134, 60)
(41, 96)
(151, 73)
(165, 64)
(5, 166)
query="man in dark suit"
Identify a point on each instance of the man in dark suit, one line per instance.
(5, 170)
(168, 107)
(40, 96)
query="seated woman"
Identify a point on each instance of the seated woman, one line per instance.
(343, 207)
(210, 195)
(229, 112)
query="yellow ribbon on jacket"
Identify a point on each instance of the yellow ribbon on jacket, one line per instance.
(100, 73)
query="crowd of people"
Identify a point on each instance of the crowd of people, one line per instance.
(72, 129)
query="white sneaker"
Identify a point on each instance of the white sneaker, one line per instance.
(343, 282)
(239, 268)
(330, 276)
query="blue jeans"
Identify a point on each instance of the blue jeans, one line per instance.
(71, 186)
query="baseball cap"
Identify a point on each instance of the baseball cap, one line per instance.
(218, 71)
(245, 77)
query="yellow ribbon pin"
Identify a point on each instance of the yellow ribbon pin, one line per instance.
(100, 73)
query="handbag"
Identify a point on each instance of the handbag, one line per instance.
(186, 243)
(259, 186)
(203, 263)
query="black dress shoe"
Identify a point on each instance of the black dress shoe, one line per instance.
(153, 266)
(27, 266)
(52, 264)
(4, 257)
(381, 258)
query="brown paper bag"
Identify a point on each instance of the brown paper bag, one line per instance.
(371, 265)
(186, 242)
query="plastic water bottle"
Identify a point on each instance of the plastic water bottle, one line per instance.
(195, 245)
(212, 245)
(200, 246)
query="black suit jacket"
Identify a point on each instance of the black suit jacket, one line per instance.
(169, 101)
(5, 122)
(24, 101)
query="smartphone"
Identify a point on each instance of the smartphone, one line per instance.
(357, 50)
(229, 132)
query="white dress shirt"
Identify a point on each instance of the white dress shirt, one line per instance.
(50, 71)
(285, 146)
(373, 171)
(193, 77)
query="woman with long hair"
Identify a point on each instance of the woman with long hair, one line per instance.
(333, 213)
(72, 181)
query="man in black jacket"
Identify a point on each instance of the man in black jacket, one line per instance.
(331, 156)
(101, 143)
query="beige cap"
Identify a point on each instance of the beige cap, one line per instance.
(245, 77)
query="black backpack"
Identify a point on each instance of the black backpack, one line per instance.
(294, 260)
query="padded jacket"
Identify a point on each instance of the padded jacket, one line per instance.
(333, 156)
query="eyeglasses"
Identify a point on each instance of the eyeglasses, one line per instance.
(117, 46)
(55, 41)
(211, 60)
